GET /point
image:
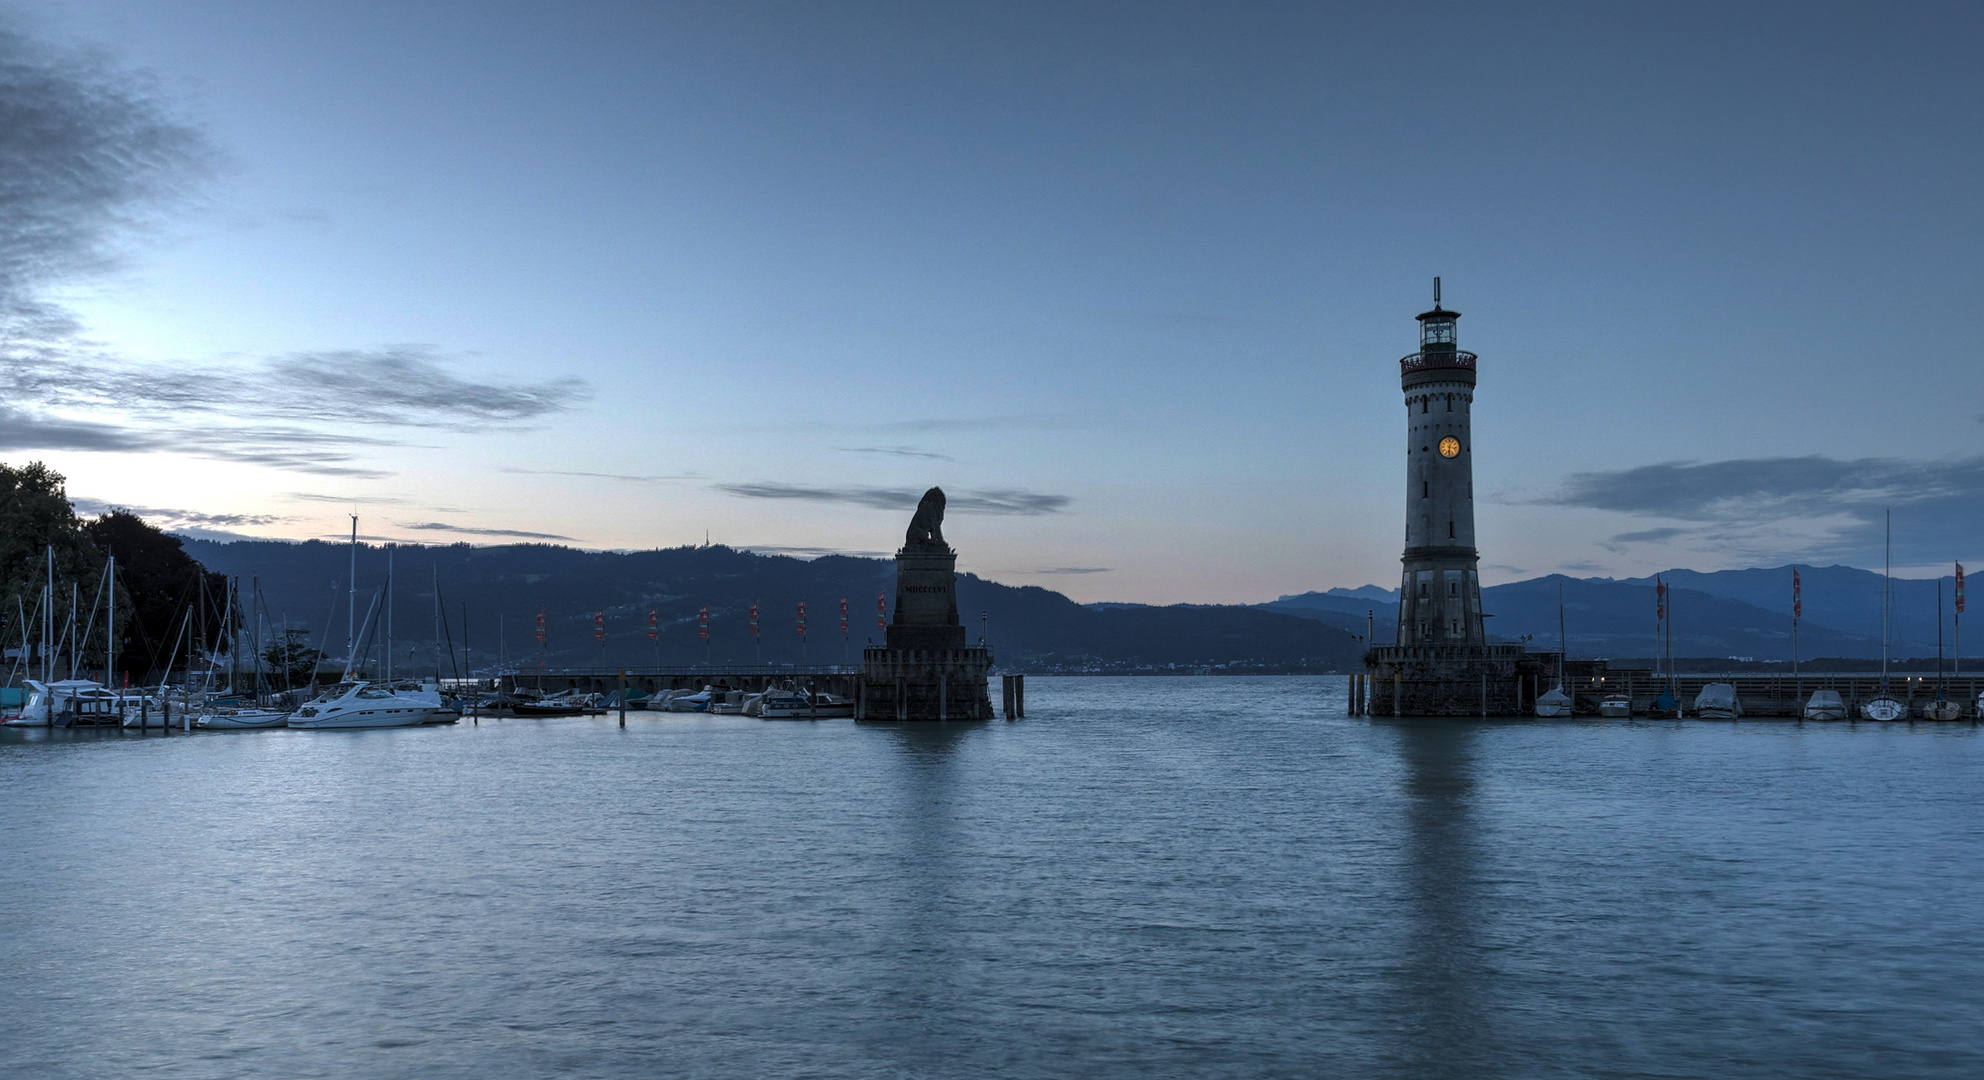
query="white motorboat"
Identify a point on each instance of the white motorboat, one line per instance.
(242, 719)
(1615, 706)
(696, 702)
(363, 705)
(1717, 701)
(1553, 703)
(786, 705)
(732, 704)
(429, 692)
(70, 703)
(1825, 705)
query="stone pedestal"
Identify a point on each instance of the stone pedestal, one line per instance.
(925, 684)
(1448, 680)
(925, 671)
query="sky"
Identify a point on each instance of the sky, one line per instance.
(1129, 282)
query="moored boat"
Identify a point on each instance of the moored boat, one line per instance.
(1883, 707)
(1717, 701)
(1825, 705)
(1942, 709)
(363, 705)
(242, 719)
(1553, 703)
(70, 703)
(1615, 705)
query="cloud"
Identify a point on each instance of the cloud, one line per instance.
(1645, 536)
(995, 501)
(812, 552)
(295, 449)
(23, 431)
(437, 526)
(88, 156)
(404, 385)
(1814, 506)
(979, 423)
(630, 477)
(347, 500)
(176, 520)
(896, 451)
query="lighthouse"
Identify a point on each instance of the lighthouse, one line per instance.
(1440, 586)
(1443, 663)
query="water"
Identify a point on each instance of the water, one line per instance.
(1147, 877)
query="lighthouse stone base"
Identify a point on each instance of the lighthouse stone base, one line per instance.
(1447, 680)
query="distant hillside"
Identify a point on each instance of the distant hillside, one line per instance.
(1031, 628)
(1727, 613)
(1840, 597)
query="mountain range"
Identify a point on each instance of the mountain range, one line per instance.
(1732, 613)
(505, 587)
(1728, 613)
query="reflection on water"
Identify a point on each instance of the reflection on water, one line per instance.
(1203, 877)
(1443, 1030)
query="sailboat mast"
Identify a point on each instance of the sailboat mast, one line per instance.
(389, 612)
(1887, 597)
(48, 623)
(110, 628)
(437, 624)
(351, 598)
(1563, 642)
(255, 628)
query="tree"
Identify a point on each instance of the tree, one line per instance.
(161, 580)
(292, 661)
(35, 519)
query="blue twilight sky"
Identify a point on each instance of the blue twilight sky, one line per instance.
(1129, 281)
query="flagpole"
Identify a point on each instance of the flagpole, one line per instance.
(1958, 617)
(1798, 686)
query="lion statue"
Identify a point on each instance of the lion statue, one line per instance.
(926, 529)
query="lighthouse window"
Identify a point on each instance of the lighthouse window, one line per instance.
(1450, 530)
(1422, 588)
(1453, 589)
(1437, 332)
(1425, 489)
(1456, 626)
(1425, 405)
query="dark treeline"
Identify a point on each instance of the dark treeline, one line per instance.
(156, 586)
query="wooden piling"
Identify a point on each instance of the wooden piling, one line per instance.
(623, 698)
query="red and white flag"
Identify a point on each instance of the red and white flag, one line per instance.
(882, 613)
(802, 618)
(1797, 603)
(654, 623)
(843, 616)
(1959, 588)
(1660, 600)
(703, 616)
(754, 620)
(540, 626)
(599, 626)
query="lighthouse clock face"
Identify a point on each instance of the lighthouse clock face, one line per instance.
(1449, 447)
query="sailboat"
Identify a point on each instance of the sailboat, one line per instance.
(1884, 706)
(1942, 708)
(1554, 703)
